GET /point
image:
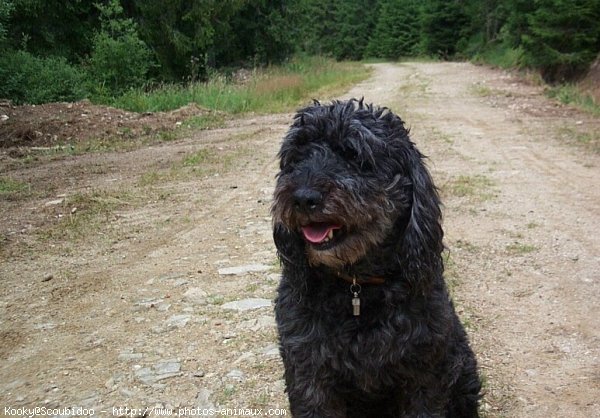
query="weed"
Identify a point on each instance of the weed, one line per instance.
(167, 135)
(501, 56)
(226, 394)
(251, 288)
(84, 214)
(150, 178)
(588, 138)
(274, 89)
(262, 399)
(451, 272)
(11, 189)
(467, 246)
(482, 90)
(572, 95)
(196, 158)
(517, 248)
(216, 300)
(210, 120)
(477, 187)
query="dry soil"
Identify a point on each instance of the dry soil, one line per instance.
(116, 280)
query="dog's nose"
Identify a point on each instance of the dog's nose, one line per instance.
(307, 199)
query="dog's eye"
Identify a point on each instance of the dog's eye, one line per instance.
(350, 155)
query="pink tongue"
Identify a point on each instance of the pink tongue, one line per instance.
(317, 232)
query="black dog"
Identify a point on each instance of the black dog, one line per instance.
(365, 322)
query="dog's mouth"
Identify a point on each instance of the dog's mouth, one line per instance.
(322, 235)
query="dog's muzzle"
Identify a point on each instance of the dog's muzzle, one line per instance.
(307, 200)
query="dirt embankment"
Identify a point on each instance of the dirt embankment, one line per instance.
(142, 278)
(56, 124)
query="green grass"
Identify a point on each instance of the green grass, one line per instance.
(86, 213)
(273, 89)
(202, 162)
(517, 248)
(210, 120)
(500, 56)
(586, 136)
(477, 187)
(10, 188)
(572, 95)
(196, 158)
(482, 90)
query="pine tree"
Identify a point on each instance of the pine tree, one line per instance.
(355, 22)
(563, 37)
(49, 28)
(6, 7)
(443, 25)
(187, 37)
(397, 31)
(261, 34)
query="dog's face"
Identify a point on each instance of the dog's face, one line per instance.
(346, 178)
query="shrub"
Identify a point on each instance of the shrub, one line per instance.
(120, 59)
(29, 79)
(117, 64)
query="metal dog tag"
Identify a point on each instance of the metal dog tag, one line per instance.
(356, 305)
(355, 290)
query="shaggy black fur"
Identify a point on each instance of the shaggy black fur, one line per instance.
(350, 170)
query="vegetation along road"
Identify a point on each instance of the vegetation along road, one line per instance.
(143, 277)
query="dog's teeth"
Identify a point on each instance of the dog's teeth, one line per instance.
(330, 235)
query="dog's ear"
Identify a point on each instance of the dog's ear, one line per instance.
(422, 243)
(290, 247)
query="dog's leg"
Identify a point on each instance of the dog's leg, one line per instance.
(465, 397)
(322, 404)
(312, 397)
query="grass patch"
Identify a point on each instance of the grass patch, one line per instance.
(476, 187)
(467, 246)
(417, 85)
(481, 90)
(517, 248)
(127, 141)
(208, 161)
(150, 178)
(588, 138)
(570, 94)
(85, 213)
(203, 162)
(210, 120)
(11, 189)
(272, 89)
(500, 56)
(451, 273)
(195, 158)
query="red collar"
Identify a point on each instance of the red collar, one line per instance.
(361, 280)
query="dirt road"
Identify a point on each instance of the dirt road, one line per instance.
(142, 279)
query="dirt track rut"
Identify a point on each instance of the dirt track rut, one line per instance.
(129, 308)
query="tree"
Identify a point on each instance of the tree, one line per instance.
(119, 59)
(355, 22)
(563, 38)
(443, 25)
(6, 7)
(49, 28)
(259, 32)
(316, 26)
(187, 36)
(397, 31)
